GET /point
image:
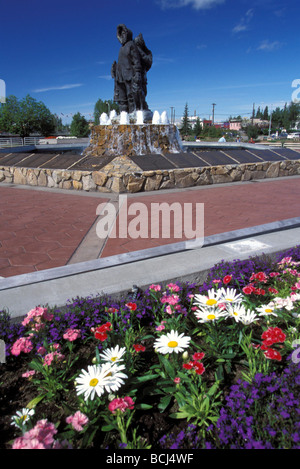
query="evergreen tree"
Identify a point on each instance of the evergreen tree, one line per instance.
(198, 127)
(266, 114)
(186, 125)
(79, 126)
(104, 106)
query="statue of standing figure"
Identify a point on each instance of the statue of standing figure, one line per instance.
(130, 73)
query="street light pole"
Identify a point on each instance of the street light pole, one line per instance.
(213, 119)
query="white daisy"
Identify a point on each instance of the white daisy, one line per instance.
(92, 382)
(249, 317)
(236, 311)
(209, 314)
(266, 310)
(241, 314)
(171, 342)
(230, 295)
(22, 417)
(114, 374)
(113, 354)
(211, 299)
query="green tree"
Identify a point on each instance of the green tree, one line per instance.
(266, 114)
(186, 125)
(253, 131)
(198, 127)
(26, 116)
(104, 106)
(79, 126)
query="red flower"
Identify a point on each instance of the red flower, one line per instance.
(139, 348)
(227, 279)
(188, 366)
(100, 333)
(248, 289)
(259, 291)
(273, 354)
(199, 368)
(131, 306)
(273, 290)
(273, 335)
(101, 336)
(259, 277)
(198, 356)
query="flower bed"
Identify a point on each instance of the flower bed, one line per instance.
(179, 366)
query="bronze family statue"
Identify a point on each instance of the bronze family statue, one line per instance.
(130, 72)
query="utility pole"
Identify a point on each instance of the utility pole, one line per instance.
(253, 112)
(213, 114)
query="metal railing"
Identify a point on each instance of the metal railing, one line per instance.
(18, 141)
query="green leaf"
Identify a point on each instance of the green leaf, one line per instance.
(168, 367)
(143, 406)
(142, 379)
(164, 402)
(35, 401)
(107, 428)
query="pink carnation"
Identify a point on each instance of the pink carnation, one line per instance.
(72, 334)
(171, 299)
(39, 437)
(28, 374)
(77, 420)
(48, 359)
(41, 350)
(23, 344)
(173, 287)
(155, 287)
(121, 403)
(37, 315)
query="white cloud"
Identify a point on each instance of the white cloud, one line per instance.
(62, 87)
(197, 4)
(269, 46)
(243, 25)
(105, 77)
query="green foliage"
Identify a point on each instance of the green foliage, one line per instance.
(25, 116)
(253, 131)
(79, 126)
(104, 106)
(186, 125)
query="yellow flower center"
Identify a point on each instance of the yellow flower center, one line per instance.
(172, 344)
(23, 418)
(211, 302)
(235, 313)
(94, 382)
(229, 299)
(211, 316)
(113, 359)
(268, 310)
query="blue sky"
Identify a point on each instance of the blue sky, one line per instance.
(229, 52)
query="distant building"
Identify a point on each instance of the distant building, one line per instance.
(235, 125)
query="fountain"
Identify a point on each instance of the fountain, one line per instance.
(136, 131)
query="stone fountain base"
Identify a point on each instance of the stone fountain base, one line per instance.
(130, 140)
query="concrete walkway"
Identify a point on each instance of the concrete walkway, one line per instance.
(50, 251)
(44, 228)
